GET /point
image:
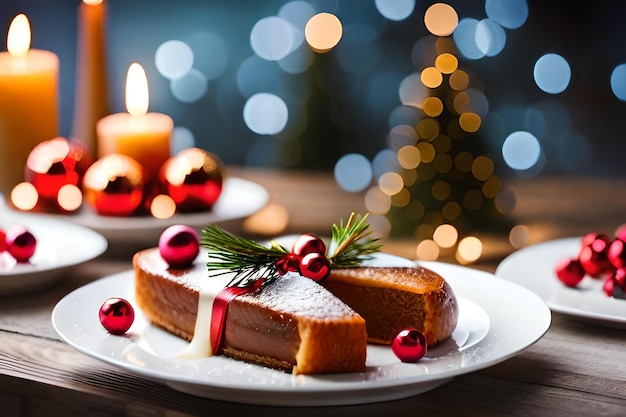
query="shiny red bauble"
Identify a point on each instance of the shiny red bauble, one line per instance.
(179, 245)
(288, 263)
(55, 163)
(570, 272)
(594, 255)
(20, 243)
(409, 345)
(315, 266)
(114, 185)
(308, 243)
(193, 179)
(116, 315)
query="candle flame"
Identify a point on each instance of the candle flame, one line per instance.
(92, 2)
(137, 95)
(18, 38)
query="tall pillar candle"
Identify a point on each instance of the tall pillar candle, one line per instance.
(91, 101)
(138, 134)
(28, 101)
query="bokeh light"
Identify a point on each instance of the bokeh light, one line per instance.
(69, 197)
(519, 236)
(446, 235)
(271, 220)
(469, 250)
(465, 38)
(521, 150)
(376, 201)
(24, 196)
(511, 14)
(353, 172)
(395, 9)
(552, 73)
(162, 206)
(173, 59)
(618, 81)
(190, 87)
(441, 19)
(272, 38)
(427, 250)
(323, 32)
(490, 37)
(182, 138)
(265, 114)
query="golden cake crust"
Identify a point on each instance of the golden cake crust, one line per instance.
(391, 299)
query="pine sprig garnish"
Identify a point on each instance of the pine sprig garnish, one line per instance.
(248, 259)
(348, 246)
(251, 262)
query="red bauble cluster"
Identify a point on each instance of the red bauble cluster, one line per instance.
(18, 242)
(116, 315)
(116, 184)
(600, 257)
(409, 345)
(307, 257)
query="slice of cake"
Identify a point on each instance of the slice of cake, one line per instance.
(293, 323)
(391, 299)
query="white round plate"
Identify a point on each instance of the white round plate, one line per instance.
(498, 319)
(533, 268)
(60, 245)
(239, 199)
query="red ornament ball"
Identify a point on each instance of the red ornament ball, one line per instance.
(594, 255)
(409, 345)
(179, 245)
(114, 186)
(193, 179)
(315, 266)
(20, 243)
(570, 271)
(308, 243)
(116, 315)
(3, 241)
(51, 165)
(288, 263)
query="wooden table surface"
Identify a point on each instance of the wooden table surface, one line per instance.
(576, 369)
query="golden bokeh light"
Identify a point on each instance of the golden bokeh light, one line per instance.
(470, 122)
(451, 210)
(376, 201)
(442, 162)
(427, 250)
(431, 77)
(323, 32)
(271, 220)
(162, 206)
(428, 129)
(427, 151)
(463, 161)
(390, 183)
(442, 143)
(433, 106)
(519, 236)
(24, 196)
(409, 176)
(492, 187)
(69, 197)
(408, 157)
(459, 80)
(482, 168)
(424, 231)
(441, 19)
(441, 190)
(402, 198)
(446, 235)
(425, 172)
(447, 63)
(469, 250)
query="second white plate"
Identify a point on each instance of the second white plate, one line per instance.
(533, 268)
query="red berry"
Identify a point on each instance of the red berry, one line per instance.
(589, 238)
(288, 263)
(617, 253)
(409, 345)
(116, 315)
(179, 245)
(20, 243)
(594, 257)
(308, 243)
(3, 241)
(609, 285)
(315, 266)
(570, 271)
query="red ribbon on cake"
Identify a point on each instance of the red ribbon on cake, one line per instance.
(220, 305)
